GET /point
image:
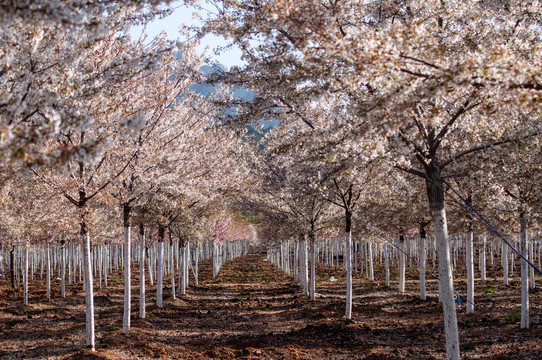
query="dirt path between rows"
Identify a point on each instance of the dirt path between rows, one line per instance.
(254, 312)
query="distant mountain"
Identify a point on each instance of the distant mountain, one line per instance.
(206, 89)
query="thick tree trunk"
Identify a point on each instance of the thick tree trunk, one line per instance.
(127, 270)
(524, 276)
(89, 289)
(435, 194)
(142, 304)
(470, 273)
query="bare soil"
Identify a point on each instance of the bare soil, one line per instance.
(254, 311)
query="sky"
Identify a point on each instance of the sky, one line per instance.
(184, 15)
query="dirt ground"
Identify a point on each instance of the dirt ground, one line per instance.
(254, 312)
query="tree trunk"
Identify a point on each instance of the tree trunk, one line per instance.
(423, 295)
(531, 259)
(89, 289)
(435, 194)
(483, 259)
(348, 265)
(182, 269)
(172, 267)
(196, 265)
(141, 271)
(371, 267)
(48, 271)
(387, 263)
(25, 276)
(524, 275)
(62, 269)
(470, 273)
(402, 265)
(504, 261)
(160, 277)
(215, 260)
(313, 268)
(296, 262)
(127, 270)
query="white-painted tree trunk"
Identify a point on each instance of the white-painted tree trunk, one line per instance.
(183, 269)
(196, 265)
(371, 268)
(150, 264)
(304, 267)
(25, 275)
(313, 271)
(446, 284)
(62, 270)
(296, 262)
(348, 266)
(483, 259)
(524, 277)
(160, 277)
(127, 280)
(422, 250)
(215, 260)
(172, 268)
(402, 265)
(505, 263)
(48, 271)
(387, 263)
(89, 292)
(142, 299)
(187, 264)
(470, 272)
(531, 259)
